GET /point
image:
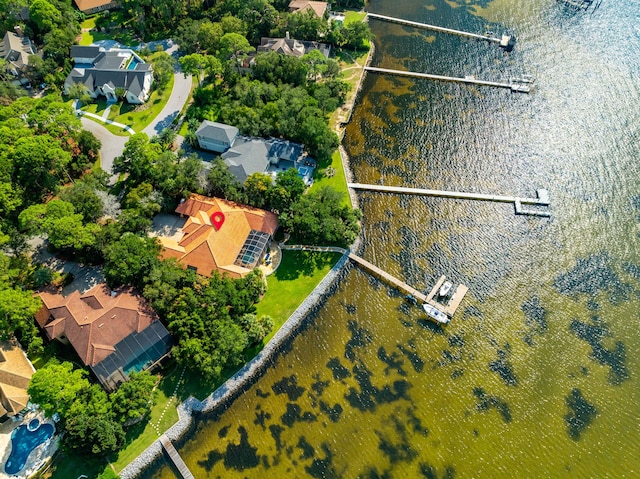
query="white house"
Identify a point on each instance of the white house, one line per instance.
(103, 72)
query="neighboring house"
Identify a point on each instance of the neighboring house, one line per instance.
(294, 48)
(318, 8)
(259, 155)
(15, 49)
(216, 136)
(15, 373)
(221, 235)
(104, 71)
(113, 332)
(93, 6)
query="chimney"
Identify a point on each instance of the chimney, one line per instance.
(286, 35)
(18, 30)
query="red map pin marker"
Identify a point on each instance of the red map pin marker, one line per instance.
(217, 219)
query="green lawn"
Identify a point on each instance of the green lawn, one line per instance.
(139, 116)
(117, 33)
(351, 16)
(298, 274)
(338, 181)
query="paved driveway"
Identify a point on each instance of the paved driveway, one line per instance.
(112, 145)
(179, 96)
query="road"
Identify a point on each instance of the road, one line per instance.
(112, 145)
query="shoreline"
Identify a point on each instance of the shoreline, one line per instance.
(250, 372)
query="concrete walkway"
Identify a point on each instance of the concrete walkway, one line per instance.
(127, 128)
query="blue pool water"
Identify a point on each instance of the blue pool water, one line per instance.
(23, 441)
(133, 64)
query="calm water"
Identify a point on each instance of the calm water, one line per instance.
(537, 375)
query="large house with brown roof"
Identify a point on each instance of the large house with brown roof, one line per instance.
(15, 373)
(94, 6)
(15, 50)
(221, 235)
(318, 8)
(113, 332)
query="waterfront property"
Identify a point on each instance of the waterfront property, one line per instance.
(95, 6)
(291, 47)
(318, 8)
(104, 72)
(15, 373)
(114, 332)
(24, 439)
(220, 235)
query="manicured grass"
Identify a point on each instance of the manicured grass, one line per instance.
(139, 116)
(70, 466)
(141, 435)
(338, 181)
(298, 274)
(117, 33)
(351, 16)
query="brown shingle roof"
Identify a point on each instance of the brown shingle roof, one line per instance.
(86, 5)
(15, 372)
(94, 322)
(301, 5)
(206, 248)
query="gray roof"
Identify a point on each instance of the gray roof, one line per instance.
(217, 131)
(83, 51)
(252, 155)
(108, 61)
(16, 49)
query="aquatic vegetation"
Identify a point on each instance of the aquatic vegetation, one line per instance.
(581, 414)
(416, 361)
(369, 396)
(339, 371)
(504, 368)
(535, 315)
(592, 275)
(360, 337)
(392, 362)
(429, 472)
(306, 449)
(239, 456)
(319, 386)
(322, 468)
(487, 402)
(333, 412)
(593, 334)
(289, 386)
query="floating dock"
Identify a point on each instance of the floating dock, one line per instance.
(506, 41)
(175, 458)
(542, 196)
(514, 87)
(454, 300)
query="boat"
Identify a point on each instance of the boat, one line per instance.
(445, 289)
(435, 313)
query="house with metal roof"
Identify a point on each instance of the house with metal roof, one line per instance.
(15, 50)
(220, 235)
(105, 71)
(114, 332)
(15, 373)
(214, 136)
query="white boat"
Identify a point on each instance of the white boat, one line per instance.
(445, 289)
(435, 313)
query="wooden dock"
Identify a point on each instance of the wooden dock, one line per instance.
(542, 196)
(175, 458)
(514, 87)
(372, 268)
(433, 27)
(454, 300)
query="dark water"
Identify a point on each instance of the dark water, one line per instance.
(537, 375)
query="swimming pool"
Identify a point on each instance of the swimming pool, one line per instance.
(25, 439)
(132, 64)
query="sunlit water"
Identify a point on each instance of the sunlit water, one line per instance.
(536, 376)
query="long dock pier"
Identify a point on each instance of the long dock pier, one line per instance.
(506, 41)
(513, 86)
(175, 457)
(542, 198)
(418, 295)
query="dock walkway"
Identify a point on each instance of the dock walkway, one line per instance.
(175, 457)
(542, 198)
(433, 27)
(514, 87)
